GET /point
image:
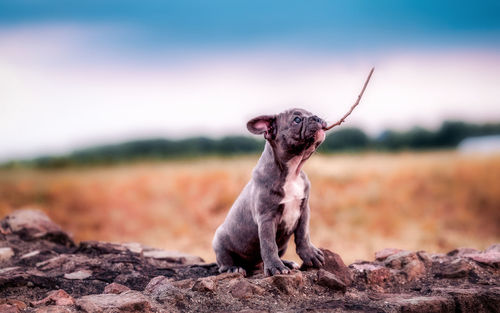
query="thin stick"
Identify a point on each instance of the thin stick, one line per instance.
(355, 104)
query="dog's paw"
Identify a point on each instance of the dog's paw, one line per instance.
(312, 257)
(232, 269)
(275, 269)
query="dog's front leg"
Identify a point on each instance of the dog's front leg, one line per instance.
(311, 255)
(269, 249)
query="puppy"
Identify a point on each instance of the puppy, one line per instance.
(275, 203)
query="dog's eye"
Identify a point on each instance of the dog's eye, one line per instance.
(297, 120)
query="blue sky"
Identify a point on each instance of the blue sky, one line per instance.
(86, 72)
(328, 25)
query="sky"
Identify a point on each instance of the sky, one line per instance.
(74, 74)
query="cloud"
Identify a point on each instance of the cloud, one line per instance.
(62, 86)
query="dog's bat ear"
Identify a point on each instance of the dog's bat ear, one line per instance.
(262, 124)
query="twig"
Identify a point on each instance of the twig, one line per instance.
(355, 104)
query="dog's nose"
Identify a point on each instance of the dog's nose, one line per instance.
(318, 120)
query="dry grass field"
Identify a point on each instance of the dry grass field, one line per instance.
(360, 203)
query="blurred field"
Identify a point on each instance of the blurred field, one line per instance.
(360, 203)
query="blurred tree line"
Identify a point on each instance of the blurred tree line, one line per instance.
(345, 139)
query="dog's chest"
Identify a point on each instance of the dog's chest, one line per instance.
(294, 194)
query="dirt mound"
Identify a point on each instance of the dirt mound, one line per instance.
(43, 270)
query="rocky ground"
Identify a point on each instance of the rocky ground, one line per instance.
(43, 270)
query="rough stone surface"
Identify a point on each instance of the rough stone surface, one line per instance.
(12, 305)
(376, 276)
(130, 301)
(462, 251)
(57, 297)
(243, 289)
(81, 274)
(408, 262)
(8, 308)
(205, 284)
(115, 288)
(47, 273)
(335, 265)
(385, 253)
(55, 309)
(331, 281)
(6, 254)
(156, 283)
(491, 258)
(32, 224)
(423, 304)
(493, 248)
(288, 284)
(172, 256)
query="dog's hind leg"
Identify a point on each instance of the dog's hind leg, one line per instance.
(225, 259)
(226, 262)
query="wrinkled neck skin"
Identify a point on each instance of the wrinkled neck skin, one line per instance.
(272, 163)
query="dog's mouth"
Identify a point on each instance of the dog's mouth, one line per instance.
(319, 137)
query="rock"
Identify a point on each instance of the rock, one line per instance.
(97, 276)
(491, 258)
(414, 270)
(408, 263)
(19, 305)
(472, 300)
(30, 254)
(227, 275)
(156, 282)
(34, 224)
(8, 269)
(422, 304)
(8, 308)
(115, 288)
(129, 301)
(206, 284)
(57, 297)
(384, 253)
(134, 247)
(55, 309)
(462, 251)
(399, 260)
(243, 289)
(493, 248)
(186, 283)
(55, 262)
(427, 258)
(172, 256)
(93, 247)
(81, 274)
(286, 283)
(374, 274)
(6, 254)
(163, 290)
(331, 281)
(134, 279)
(166, 293)
(335, 265)
(458, 268)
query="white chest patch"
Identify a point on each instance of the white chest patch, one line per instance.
(294, 194)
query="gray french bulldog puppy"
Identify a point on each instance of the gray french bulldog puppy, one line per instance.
(275, 203)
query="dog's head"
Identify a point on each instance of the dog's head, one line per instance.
(292, 133)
